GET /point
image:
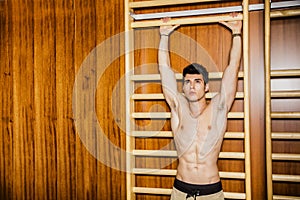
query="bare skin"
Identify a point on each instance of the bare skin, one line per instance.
(199, 127)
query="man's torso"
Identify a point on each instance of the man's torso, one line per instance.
(198, 141)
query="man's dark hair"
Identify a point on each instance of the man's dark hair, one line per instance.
(196, 68)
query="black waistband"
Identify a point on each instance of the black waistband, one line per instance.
(194, 190)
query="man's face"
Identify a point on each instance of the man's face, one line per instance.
(194, 87)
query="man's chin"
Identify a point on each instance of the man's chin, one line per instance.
(193, 99)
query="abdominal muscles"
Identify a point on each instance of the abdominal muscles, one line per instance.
(196, 170)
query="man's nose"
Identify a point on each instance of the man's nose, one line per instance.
(192, 85)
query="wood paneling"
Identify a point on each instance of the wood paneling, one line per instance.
(43, 44)
(6, 106)
(257, 106)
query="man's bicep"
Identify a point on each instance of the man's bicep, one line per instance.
(168, 81)
(170, 97)
(229, 85)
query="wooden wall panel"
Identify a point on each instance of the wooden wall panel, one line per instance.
(257, 106)
(43, 44)
(44, 71)
(22, 64)
(85, 40)
(6, 106)
(65, 72)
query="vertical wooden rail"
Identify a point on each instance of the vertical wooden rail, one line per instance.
(129, 60)
(246, 98)
(268, 102)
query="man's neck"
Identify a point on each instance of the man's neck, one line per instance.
(197, 107)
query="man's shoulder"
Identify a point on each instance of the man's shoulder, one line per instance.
(179, 97)
(182, 100)
(180, 103)
(216, 99)
(218, 102)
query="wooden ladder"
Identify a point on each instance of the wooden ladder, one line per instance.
(136, 21)
(272, 134)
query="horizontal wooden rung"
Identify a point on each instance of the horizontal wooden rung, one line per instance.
(286, 135)
(234, 135)
(152, 96)
(150, 77)
(155, 134)
(234, 195)
(232, 175)
(151, 115)
(173, 153)
(147, 190)
(178, 76)
(155, 153)
(172, 172)
(286, 156)
(166, 115)
(151, 134)
(153, 3)
(286, 178)
(160, 96)
(285, 13)
(289, 115)
(167, 191)
(285, 73)
(158, 172)
(282, 197)
(232, 155)
(285, 94)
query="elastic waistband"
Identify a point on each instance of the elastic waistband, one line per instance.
(197, 190)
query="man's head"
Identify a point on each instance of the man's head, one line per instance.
(196, 68)
(195, 82)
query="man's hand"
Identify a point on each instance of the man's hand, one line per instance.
(234, 26)
(167, 29)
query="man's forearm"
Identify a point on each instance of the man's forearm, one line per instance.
(236, 50)
(230, 76)
(163, 52)
(168, 78)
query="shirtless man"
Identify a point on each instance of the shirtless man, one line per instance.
(198, 126)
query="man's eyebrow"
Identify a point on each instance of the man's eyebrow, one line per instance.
(193, 79)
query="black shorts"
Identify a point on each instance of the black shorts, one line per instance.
(194, 190)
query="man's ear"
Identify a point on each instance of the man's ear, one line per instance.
(206, 87)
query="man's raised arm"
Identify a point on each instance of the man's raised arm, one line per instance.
(230, 76)
(169, 84)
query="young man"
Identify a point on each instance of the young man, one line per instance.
(198, 127)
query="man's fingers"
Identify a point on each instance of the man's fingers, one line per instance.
(224, 23)
(176, 26)
(166, 19)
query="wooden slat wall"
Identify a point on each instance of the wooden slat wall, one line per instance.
(284, 53)
(43, 44)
